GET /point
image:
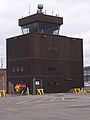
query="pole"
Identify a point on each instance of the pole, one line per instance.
(3, 82)
(1, 62)
(34, 91)
(29, 9)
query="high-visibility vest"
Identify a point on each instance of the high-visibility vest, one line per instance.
(17, 88)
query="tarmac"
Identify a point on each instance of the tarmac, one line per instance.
(60, 106)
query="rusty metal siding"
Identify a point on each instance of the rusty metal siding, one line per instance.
(47, 57)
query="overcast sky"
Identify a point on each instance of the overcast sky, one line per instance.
(75, 13)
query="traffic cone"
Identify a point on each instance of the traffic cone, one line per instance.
(4, 93)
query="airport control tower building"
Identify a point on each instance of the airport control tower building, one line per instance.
(41, 58)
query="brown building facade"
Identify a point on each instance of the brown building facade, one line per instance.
(55, 62)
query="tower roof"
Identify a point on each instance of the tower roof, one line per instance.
(40, 17)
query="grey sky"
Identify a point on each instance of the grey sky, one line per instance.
(76, 15)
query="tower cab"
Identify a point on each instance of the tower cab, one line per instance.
(41, 23)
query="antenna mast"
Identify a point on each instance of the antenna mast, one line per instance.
(52, 12)
(1, 62)
(29, 10)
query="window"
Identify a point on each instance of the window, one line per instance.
(53, 69)
(49, 48)
(41, 27)
(25, 30)
(17, 68)
(21, 68)
(30, 28)
(56, 83)
(55, 49)
(49, 28)
(13, 69)
(53, 83)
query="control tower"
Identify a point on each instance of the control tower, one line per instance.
(42, 58)
(41, 23)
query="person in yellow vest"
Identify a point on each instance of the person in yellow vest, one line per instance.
(17, 88)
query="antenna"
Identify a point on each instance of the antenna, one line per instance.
(45, 12)
(1, 62)
(29, 10)
(52, 12)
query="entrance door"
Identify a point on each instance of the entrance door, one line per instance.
(37, 84)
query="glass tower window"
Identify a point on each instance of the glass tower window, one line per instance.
(49, 28)
(30, 28)
(41, 27)
(25, 30)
